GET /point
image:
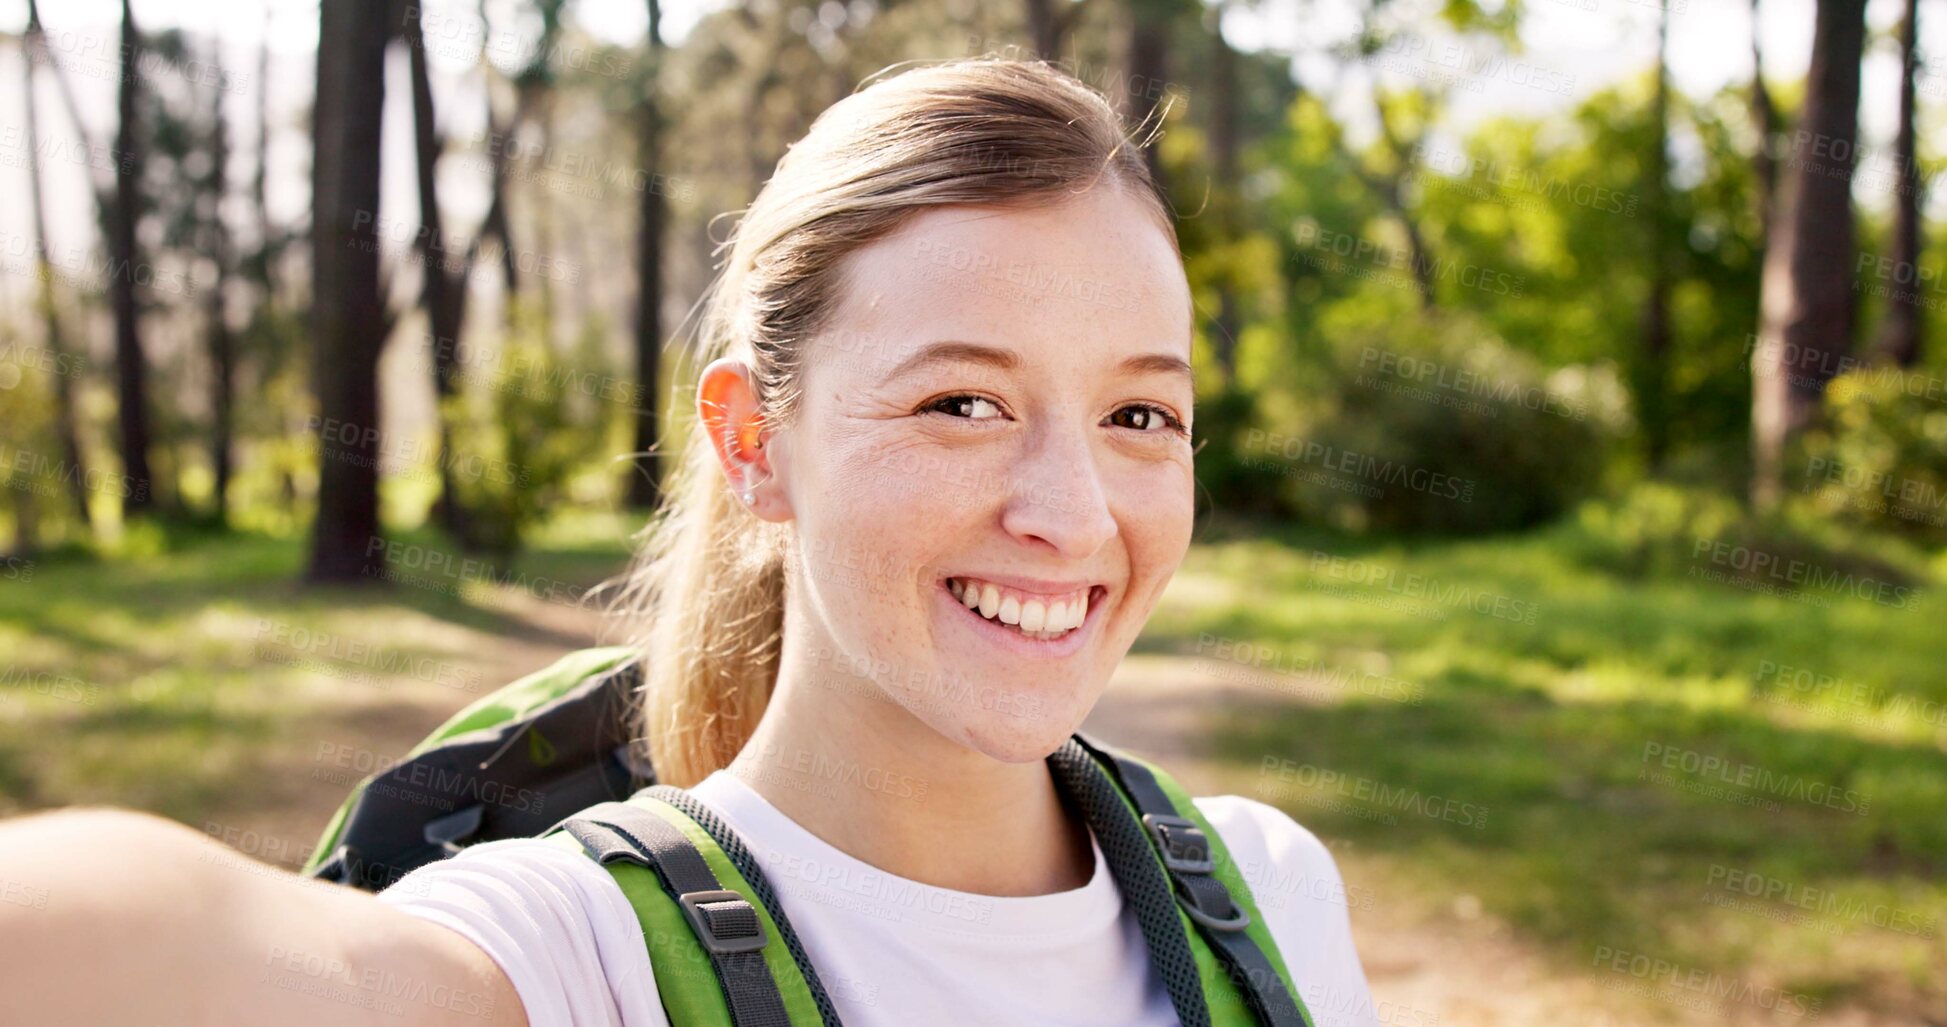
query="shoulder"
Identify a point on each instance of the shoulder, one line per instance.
(553, 920)
(1304, 900)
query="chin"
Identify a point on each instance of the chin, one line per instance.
(1025, 735)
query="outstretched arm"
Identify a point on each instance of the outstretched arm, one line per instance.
(115, 918)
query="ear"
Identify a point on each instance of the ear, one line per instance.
(727, 408)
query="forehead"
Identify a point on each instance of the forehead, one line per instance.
(1083, 281)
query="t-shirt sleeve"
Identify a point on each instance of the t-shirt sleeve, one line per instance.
(553, 920)
(1299, 892)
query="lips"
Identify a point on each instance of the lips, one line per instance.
(1034, 615)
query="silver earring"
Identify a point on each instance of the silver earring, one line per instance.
(749, 499)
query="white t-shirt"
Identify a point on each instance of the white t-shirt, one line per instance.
(890, 951)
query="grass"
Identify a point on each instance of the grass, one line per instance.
(190, 673)
(1482, 720)
(1496, 718)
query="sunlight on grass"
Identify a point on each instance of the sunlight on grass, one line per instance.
(1532, 772)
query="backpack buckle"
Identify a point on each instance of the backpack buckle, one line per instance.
(1184, 847)
(724, 921)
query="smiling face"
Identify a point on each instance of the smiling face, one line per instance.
(988, 470)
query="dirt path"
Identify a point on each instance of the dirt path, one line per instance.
(1453, 967)
(1429, 967)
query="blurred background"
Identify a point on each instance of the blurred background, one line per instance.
(1573, 429)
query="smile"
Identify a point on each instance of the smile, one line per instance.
(1040, 617)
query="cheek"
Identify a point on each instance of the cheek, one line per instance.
(1156, 513)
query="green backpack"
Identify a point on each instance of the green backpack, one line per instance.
(550, 755)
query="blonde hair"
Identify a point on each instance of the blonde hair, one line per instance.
(705, 591)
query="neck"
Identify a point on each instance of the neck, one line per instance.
(847, 763)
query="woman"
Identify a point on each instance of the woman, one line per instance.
(944, 474)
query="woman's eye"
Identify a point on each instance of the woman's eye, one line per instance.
(1144, 417)
(977, 408)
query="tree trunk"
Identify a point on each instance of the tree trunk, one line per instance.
(222, 342)
(348, 317)
(499, 138)
(645, 485)
(1223, 153)
(1652, 400)
(1806, 315)
(1899, 338)
(1764, 115)
(1149, 72)
(124, 267)
(65, 420)
(442, 292)
(1044, 28)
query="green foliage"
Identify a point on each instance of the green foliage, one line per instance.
(1879, 457)
(520, 441)
(1389, 690)
(1436, 425)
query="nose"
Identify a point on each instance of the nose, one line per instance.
(1056, 497)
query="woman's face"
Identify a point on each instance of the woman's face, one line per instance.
(989, 471)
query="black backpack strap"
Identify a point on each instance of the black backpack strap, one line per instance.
(1185, 853)
(1143, 884)
(733, 847)
(726, 925)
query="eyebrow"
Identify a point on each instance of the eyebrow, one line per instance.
(951, 351)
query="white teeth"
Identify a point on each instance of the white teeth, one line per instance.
(1038, 619)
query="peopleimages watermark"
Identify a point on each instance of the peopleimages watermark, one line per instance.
(1707, 770)
(1360, 257)
(46, 476)
(1026, 277)
(827, 768)
(882, 680)
(868, 891)
(1456, 63)
(1264, 666)
(20, 682)
(1821, 909)
(1703, 985)
(1805, 367)
(438, 570)
(1466, 174)
(1914, 500)
(1765, 568)
(1805, 688)
(369, 987)
(333, 653)
(421, 784)
(525, 374)
(1360, 470)
(1419, 587)
(1369, 799)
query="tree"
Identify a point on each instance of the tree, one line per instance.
(65, 421)
(1148, 64)
(1049, 22)
(1807, 306)
(221, 340)
(349, 324)
(124, 272)
(1652, 380)
(444, 276)
(1899, 335)
(1764, 116)
(645, 485)
(1225, 186)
